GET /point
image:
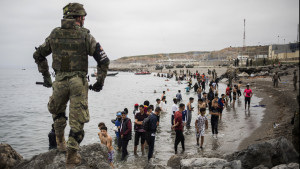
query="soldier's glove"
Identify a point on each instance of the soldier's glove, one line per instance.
(97, 86)
(47, 80)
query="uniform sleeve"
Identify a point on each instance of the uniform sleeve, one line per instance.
(91, 47)
(40, 57)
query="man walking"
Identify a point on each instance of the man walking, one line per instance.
(139, 129)
(70, 46)
(152, 131)
(178, 126)
(275, 79)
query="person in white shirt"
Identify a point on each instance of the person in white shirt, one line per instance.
(174, 109)
(163, 105)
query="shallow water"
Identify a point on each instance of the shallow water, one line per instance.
(25, 121)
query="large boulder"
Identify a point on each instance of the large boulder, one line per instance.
(243, 74)
(270, 153)
(287, 166)
(216, 163)
(174, 162)
(265, 69)
(8, 157)
(93, 156)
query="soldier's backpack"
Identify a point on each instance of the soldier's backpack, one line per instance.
(146, 123)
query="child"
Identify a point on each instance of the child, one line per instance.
(100, 125)
(107, 140)
(201, 124)
(117, 129)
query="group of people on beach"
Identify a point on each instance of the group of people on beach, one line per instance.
(147, 117)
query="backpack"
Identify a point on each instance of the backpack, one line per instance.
(146, 123)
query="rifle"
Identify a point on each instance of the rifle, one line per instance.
(42, 83)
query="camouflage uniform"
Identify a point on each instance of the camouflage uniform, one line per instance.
(70, 46)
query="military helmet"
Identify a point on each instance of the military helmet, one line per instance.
(74, 9)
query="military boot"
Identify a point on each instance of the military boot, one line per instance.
(72, 158)
(61, 143)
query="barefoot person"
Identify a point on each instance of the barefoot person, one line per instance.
(248, 94)
(107, 140)
(214, 112)
(201, 124)
(178, 126)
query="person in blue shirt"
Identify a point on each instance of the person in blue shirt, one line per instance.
(117, 129)
(221, 102)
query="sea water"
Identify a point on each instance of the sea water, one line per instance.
(25, 121)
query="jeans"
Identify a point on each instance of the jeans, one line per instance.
(150, 141)
(189, 118)
(214, 124)
(124, 148)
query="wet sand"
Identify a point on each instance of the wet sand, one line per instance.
(281, 103)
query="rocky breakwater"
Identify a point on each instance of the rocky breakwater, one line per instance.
(263, 71)
(274, 154)
(93, 156)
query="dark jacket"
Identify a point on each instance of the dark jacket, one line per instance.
(210, 95)
(126, 129)
(153, 123)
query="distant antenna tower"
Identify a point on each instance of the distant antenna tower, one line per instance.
(298, 34)
(244, 38)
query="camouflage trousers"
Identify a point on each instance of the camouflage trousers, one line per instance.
(74, 89)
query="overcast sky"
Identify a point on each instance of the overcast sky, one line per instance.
(138, 27)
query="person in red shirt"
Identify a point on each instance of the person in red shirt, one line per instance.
(248, 94)
(228, 94)
(178, 126)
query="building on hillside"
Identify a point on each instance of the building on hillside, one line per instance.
(284, 52)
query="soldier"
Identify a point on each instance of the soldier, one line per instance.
(295, 80)
(275, 79)
(70, 46)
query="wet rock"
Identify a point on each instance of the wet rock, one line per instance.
(151, 165)
(263, 73)
(265, 69)
(224, 80)
(284, 67)
(8, 157)
(93, 156)
(283, 73)
(209, 163)
(156, 166)
(243, 74)
(260, 167)
(287, 166)
(174, 162)
(270, 153)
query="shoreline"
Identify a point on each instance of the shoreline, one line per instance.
(280, 107)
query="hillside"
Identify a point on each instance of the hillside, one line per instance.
(226, 53)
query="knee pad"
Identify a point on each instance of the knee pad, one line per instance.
(58, 116)
(77, 136)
